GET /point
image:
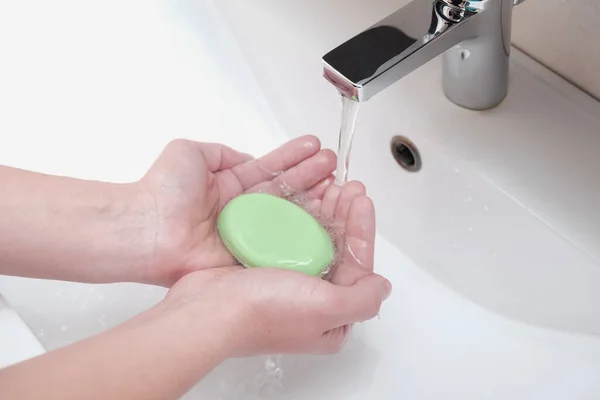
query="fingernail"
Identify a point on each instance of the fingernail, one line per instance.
(387, 287)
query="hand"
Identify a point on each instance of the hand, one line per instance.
(191, 182)
(275, 311)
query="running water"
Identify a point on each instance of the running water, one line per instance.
(349, 115)
(272, 382)
(268, 384)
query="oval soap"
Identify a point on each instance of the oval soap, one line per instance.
(262, 230)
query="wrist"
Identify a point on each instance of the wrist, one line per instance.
(136, 232)
(120, 232)
(56, 227)
(206, 337)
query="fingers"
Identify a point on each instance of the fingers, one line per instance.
(314, 207)
(337, 201)
(217, 156)
(335, 209)
(359, 302)
(318, 190)
(360, 231)
(276, 162)
(329, 203)
(351, 191)
(358, 249)
(332, 341)
(183, 154)
(301, 177)
(349, 305)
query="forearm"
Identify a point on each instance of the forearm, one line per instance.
(69, 229)
(157, 355)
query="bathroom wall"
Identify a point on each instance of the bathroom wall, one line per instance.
(563, 35)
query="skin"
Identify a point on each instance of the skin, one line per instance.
(161, 230)
(152, 231)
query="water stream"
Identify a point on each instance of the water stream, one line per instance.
(349, 115)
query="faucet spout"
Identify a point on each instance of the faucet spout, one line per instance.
(472, 35)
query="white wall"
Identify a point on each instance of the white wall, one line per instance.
(563, 35)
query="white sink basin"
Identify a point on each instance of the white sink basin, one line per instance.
(531, 163)
(504, 310)
(17, 342)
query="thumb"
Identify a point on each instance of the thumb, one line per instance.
(362, 301)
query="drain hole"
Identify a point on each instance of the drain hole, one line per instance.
(406, 154)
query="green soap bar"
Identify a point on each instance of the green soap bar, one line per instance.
(262, 230)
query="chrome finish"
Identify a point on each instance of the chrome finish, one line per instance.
(472, 35)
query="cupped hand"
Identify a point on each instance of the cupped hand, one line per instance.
(190, 183)
(276, 311)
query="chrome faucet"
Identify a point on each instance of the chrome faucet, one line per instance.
(473, 35)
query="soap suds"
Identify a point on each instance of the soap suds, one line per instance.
(336, 235)
(269, 382)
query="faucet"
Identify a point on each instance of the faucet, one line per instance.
(473, 36)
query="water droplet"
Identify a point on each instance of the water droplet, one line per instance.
(454, 246)
(469, 199)
(84, 306)
(279, 373)
(470, 229)
(41, 333)
(456, 170)
(486, 208)
(494, 254)
(64, 328)
(352, 254)
(470, 186)
(272, 380)
(269, 364)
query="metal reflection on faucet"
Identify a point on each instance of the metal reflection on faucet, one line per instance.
(473, 36)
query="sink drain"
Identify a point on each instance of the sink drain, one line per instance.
(406, 154)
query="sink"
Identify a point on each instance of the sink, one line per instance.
(17, 342)
(504, 210)
(490, 247)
